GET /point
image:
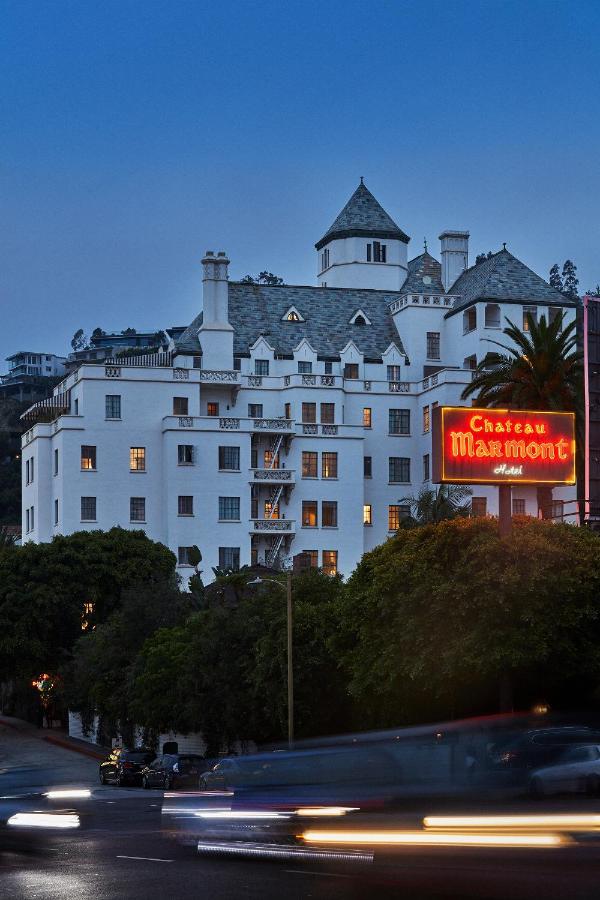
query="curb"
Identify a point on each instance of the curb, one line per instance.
(85, 751)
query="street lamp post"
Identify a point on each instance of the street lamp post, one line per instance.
(290, 667)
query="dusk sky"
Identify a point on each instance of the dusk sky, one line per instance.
(137, 134)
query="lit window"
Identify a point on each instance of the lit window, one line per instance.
(88, 457)
(270, 461)
(229, 458)
(261, 366)
(330, 562)
(229, 509)
(309, 464)
(185, 506)
(529, 311)
(366, 417)
(88, 509)
(137, 459)
(433, 345)
(399, 469)
(229, 558)
(185, 455)
(478, 506)
(426, 419)
(518, 507)
(399, 421)
(397, 512)
(212, 409)
(271, 511)
(180, 406)
(367, 514)
(310, 518)
(309, 412)
(329, 514)
(305, 368)
(137, 509)
(329, 465)
(293, 316)
(327, 413)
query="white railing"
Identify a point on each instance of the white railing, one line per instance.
(273, 424)
(285, 475)
(271, 525)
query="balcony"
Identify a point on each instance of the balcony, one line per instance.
(273, 426)
(272, 526)
(272, 476)
(323, 430)
(48, 410)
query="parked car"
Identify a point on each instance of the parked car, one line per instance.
(173, 770)
(577, 770)
(221, 777)
(540, 747)
(124, 766)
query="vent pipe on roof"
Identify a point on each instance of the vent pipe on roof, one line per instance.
(455, 255)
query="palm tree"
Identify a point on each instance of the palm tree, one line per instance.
(542, 370)
(429, 506)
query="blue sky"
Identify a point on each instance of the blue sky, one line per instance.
(136, 134)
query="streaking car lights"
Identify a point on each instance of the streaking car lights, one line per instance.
(551, 821)
(74, 794)
(43, 820)
(432, 839)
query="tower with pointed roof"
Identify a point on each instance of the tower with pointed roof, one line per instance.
(363, 248)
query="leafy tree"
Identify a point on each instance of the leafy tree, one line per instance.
(263, 278)
(570, 279)
(79, 340)
(555, 279)
(481, 257)
(158, 338)
(446, 502)
(97, 333)
(7, 539)
(10, 460)
(129, 331)
(433, 622)
(595, 292)
(541, 369)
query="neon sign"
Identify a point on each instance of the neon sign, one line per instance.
(492, 446)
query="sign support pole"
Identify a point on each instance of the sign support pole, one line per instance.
(505, 509)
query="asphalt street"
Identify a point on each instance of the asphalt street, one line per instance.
(121, 851)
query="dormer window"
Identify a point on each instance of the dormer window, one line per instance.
(359, 318)
(376, 252)
(292, 315)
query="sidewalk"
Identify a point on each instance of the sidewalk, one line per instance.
(60, 739)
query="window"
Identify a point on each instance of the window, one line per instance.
(88, 509)
(397, 512)
(255, 410)
(137, 509)
(330, 562)
(229, 508)
(369, 252)
(327, 413)
(527, 312)
(287, 410)
(88, 457)
(518, 507)
(309, 412)
(313, 556)
(305, 368)
(325, 259)
(470, 362)
(433, 345)
(185, 455)
(31, 468)
(329, 514)
(379, 252)
(180, 406)
(56, 462)
(367, 514)
(328, 367)
(329, 465)
(212, 409)
(76, 410)
(56, 512)
(351, 370)
(27, 524)
(399, 421)
(237, 363)
(271, 511)
(261, 366)
(197, 362)
(310, 517)
(309, 464)
(399, 469)
(492, 315)
(293, 316)
(478, 506)
(367, 417)
(229, 558)
(426, 467)
(367, 467)
(183, 556)
(358, 320)
(112, 406)
(32, 517)
(137, 459)
(557, 510)
(469, 319)
(229, 458)
(393, 373)
(426, 420)
(185, 506)
(553, 313)
(270, 461)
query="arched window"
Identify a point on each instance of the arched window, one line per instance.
(360, 320)
(293, 316)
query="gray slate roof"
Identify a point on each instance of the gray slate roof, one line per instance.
(423, 266)
(258, 308)
(505, 278)
(363, 216)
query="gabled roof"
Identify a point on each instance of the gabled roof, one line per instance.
(504, 278)
(256, 309)
(363, 216)
(424, 276)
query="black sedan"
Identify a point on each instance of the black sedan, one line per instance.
(124, 767)
(173, 770)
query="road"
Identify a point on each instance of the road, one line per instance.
(121, 852)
